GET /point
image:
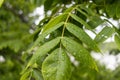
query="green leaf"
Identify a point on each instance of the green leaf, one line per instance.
(82, 35)
(80, 53)
(52, 25)
(117, 40)
(80, 21)
(26, 75)
(57, 66)
(111, 10)
(14, 45)
(37, 74)
(82, 12)
(54, 22)
(70, 9)
(43, 50)
(49, 4)
(87, 10)
(45, 33)
(108, 46)
(1, 2)
(95, 21)
(118, 10)
(104, 34)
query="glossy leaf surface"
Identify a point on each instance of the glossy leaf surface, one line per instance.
(80, 53)
(57, 66)
(82, 35)
(43, 50)
(104, 34)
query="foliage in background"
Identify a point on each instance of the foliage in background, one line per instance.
(15, 24)
(46, 54)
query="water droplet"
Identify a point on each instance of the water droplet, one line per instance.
(102, 35)
(106, 36)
